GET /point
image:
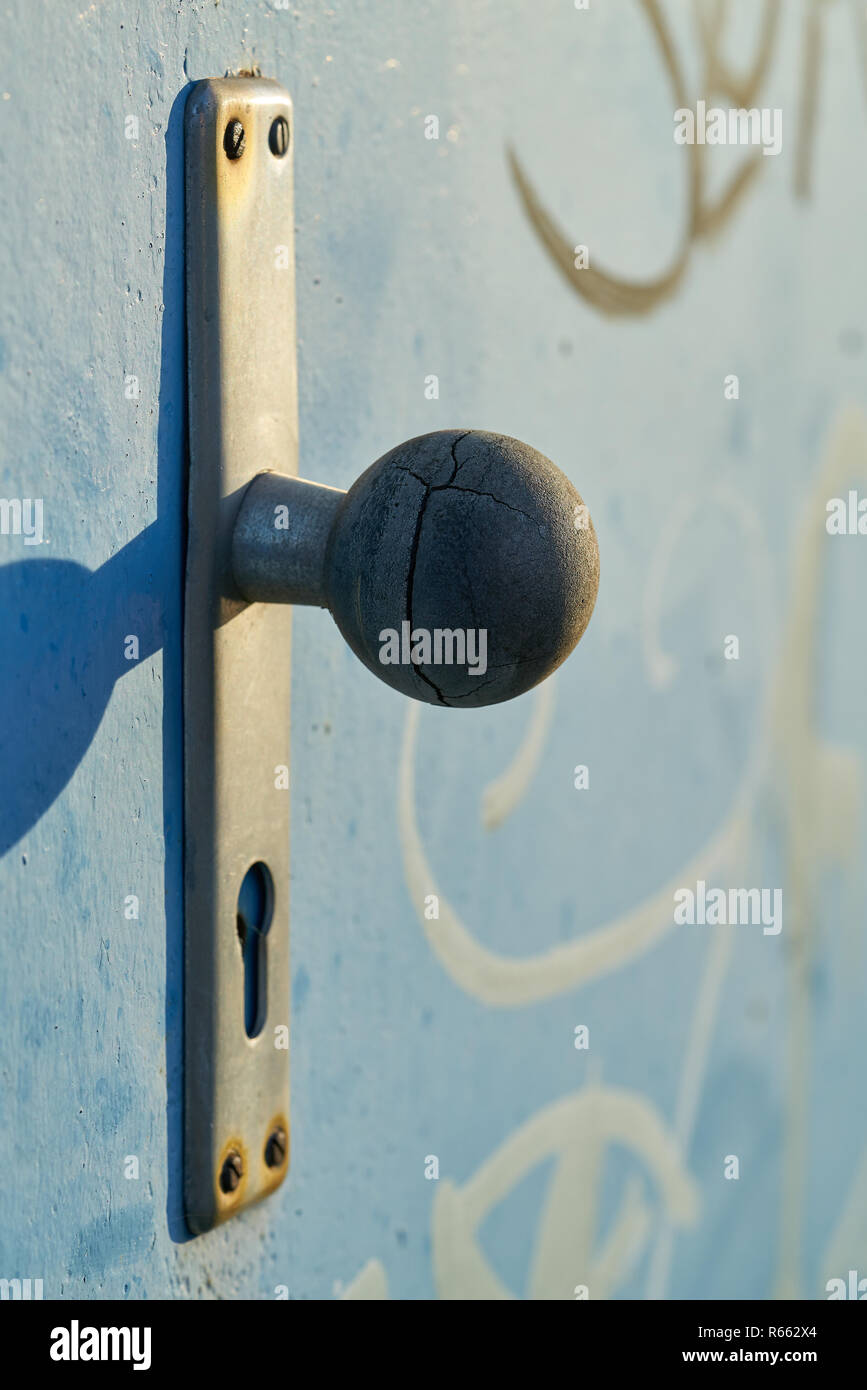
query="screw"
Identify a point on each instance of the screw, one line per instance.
(275, 1148)
(278, 137)
(231, 1172)
(234, 140)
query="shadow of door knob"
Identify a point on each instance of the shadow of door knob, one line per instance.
(461, 567)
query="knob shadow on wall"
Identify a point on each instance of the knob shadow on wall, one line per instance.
(461, 568)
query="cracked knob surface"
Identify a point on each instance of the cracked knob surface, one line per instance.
(461, 568)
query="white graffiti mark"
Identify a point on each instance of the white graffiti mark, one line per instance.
(576, 1132)
(817, 795)
(510, 982)
(501, 796)
(662, 670)
(815, 790)
(847, 1246)
(661, 666)
(369, 1285)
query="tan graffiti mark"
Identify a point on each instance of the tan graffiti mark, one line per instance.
(612, 294)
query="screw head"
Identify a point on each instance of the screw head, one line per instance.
(231, 1172)
(234, 140)
(278, 136)
(275, 1148)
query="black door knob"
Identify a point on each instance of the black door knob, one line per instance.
(462, 567)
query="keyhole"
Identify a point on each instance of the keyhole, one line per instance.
(255, 908)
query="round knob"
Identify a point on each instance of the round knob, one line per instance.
(462, 567)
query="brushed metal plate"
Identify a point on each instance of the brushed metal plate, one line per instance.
(242, 419)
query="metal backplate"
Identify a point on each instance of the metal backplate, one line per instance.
(243, 419)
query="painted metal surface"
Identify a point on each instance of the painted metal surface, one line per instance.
(284, 564)
(418, 1038)
(243, 415)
